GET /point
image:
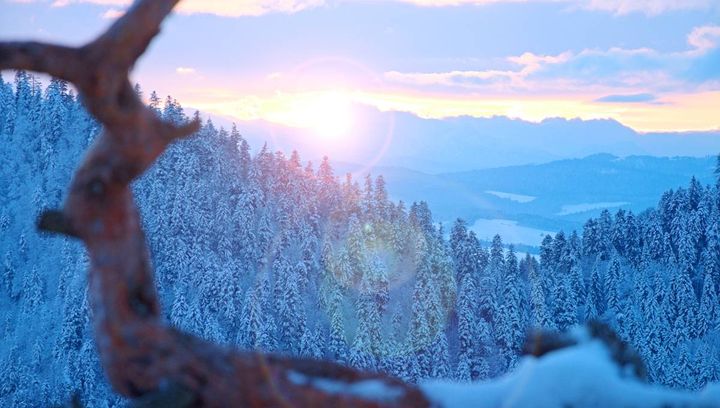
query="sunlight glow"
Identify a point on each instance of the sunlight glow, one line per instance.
(327, 115)
(330, 114)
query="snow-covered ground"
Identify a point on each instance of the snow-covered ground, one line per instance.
(580, 208)
(510, 230)
(582, 376)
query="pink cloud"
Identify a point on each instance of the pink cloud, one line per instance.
(704, 38)
(112, 14)
(185, 70)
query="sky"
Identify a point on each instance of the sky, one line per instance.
(652, 65)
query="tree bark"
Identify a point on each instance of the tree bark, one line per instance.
(143, 357)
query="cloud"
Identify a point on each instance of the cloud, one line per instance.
(651, 7)
(614, 71)
(704, 38)
(247, 8)
(451, 78)
(64, 3)
(259, 7)
(628, 98)
(527, 62)
(218, 7)
(112, 14)
(705, 68)
(185, 70)
(619, 7)
(697, 66)
(533, 62)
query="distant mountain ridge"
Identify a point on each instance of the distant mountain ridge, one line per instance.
(468, 143)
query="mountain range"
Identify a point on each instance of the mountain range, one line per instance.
(460, 144)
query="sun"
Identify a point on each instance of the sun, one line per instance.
(330, 116)
(327, 115)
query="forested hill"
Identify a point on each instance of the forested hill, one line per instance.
(260, 250)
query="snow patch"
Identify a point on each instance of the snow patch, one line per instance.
(510, 231)
(580, 208)
(370, 390)
(520, 198)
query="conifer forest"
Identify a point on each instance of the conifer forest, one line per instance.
(260, 250)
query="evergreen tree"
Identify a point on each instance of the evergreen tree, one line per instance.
(709, 313)
(468, 353)
(537, 293)
(511, 325)
(717, 172)
(290, 310)
(368, 338)
(8, 275)
(614, 295)
(495, 276)
(565, 306)
(337, 347)
(680, 307)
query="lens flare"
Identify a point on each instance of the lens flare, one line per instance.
(328, 115)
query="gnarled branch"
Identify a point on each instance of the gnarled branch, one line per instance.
(140, 353)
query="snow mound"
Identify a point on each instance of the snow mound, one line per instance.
(583, 375)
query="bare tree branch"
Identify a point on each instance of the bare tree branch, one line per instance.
(58, 61)
(141, 355)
